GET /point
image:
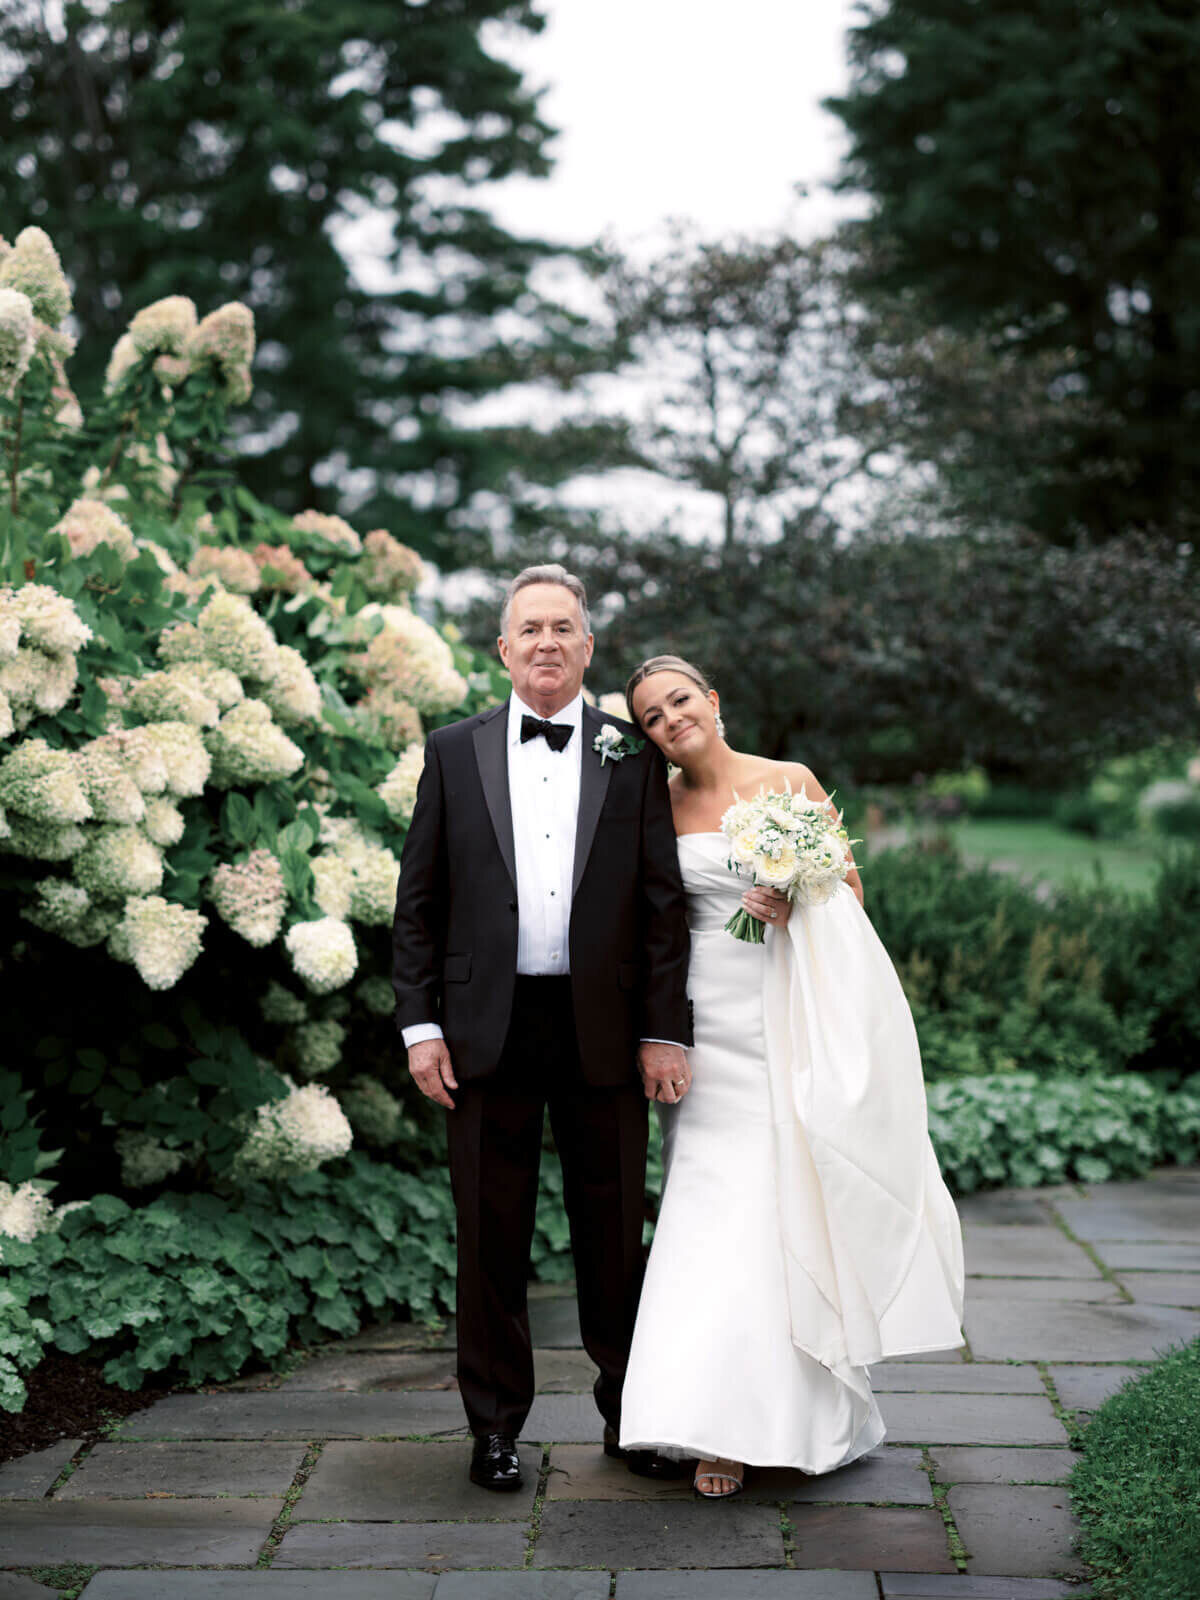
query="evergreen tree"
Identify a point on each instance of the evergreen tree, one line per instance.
(1035, 168)
(224, 150)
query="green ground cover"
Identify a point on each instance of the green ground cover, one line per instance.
(1038, 849)
(1137, 1489)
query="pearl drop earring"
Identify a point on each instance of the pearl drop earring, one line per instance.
(719, 720)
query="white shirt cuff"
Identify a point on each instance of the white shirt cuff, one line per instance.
(675, 1042)
(419, 1032)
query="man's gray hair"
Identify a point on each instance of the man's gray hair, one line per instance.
(548, 574)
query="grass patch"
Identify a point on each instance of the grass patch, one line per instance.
(1042, 850)
(1137, 1489)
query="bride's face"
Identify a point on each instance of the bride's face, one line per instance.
(676, 714)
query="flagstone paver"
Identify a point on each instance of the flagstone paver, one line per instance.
(1005, 1250)
(868, 1538)
(1178, 1257)
(435, 1546)
(403, 1336)
(971, 1419)
(370, 1482)
(893, 1474)
(181, 1533)
(597, 1534)
(564, 1372)
(1162, 1288)
(134, 1471)
(28, 1477)
(298, 1415)
(972, 1377)
(357, 1371)
(1100, 1291)
(569, 1418)
(261, 1586)
(1054, 1331)
(523, 1586)
(979, 1464)
(750, 1586)
(1156, 1214)
(554, 1324)
(1085, 1388)
(1015, 1531)
(1016, 1206)
(15, 1587)
(931, 1586)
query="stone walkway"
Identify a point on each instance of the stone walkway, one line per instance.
(347, 1481)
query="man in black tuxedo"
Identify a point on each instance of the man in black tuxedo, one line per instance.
(540, 960)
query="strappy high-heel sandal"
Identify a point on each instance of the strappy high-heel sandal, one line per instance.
(728, 1477)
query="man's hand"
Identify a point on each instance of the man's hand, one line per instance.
(429, 1063)
(664, 1070)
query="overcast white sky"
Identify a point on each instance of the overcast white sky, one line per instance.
(698, 109)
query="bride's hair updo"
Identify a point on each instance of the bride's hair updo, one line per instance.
(664, 664)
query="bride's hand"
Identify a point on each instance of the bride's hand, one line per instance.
(768, 905)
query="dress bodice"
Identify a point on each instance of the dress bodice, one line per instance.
(714, 890)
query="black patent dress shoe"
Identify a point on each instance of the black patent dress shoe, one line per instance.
(494, 1462)
(645, 1463)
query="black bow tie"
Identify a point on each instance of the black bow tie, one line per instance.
(556, 734)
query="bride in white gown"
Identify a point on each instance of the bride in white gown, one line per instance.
(805, 1232)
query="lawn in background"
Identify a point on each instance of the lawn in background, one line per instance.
(1042, 850)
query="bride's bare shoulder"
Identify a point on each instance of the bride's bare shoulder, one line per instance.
(798, 775)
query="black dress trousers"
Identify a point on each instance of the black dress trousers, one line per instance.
(495, 1142)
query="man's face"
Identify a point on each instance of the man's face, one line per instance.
(546, 650)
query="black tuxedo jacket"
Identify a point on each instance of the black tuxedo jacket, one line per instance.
(455, 930)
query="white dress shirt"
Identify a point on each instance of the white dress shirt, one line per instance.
(543, 794)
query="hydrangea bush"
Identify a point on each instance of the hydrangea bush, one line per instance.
(211, 728)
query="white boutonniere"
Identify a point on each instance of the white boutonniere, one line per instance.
(610, 744)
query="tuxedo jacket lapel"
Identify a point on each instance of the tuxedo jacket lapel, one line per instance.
(593, 787)
(491, 754)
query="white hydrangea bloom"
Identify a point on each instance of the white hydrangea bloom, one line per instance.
(377, 996)
(48, 619)
(224, 686)
(225, 339)
(87, 523)
(117, 861)
(295, 1134)
(163, 822)
(187, 762)
(177, 695)
(398, 791)
(26, 1211)
(333, 885)
(236, 570)
(145, 1159)
(167, 325)
(111, 791)
(43, 784)
(390, 569)
(17, 338)
(373, 1111)
(182, 641)
(10, 625)
(250, 896)
(292, 692)
(60, 905)
(162, 939)
(322, 953)
(32, 268)
(280, 1005)
(37, 684)
(136, 750)
(248, 747)
(125, 356)
(42, 841)
(163, 559)
(235, 636)
(373, 894)
(318, 1047)
(334, 530)
(411, 657)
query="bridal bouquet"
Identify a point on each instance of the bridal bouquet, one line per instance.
(787, 842)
